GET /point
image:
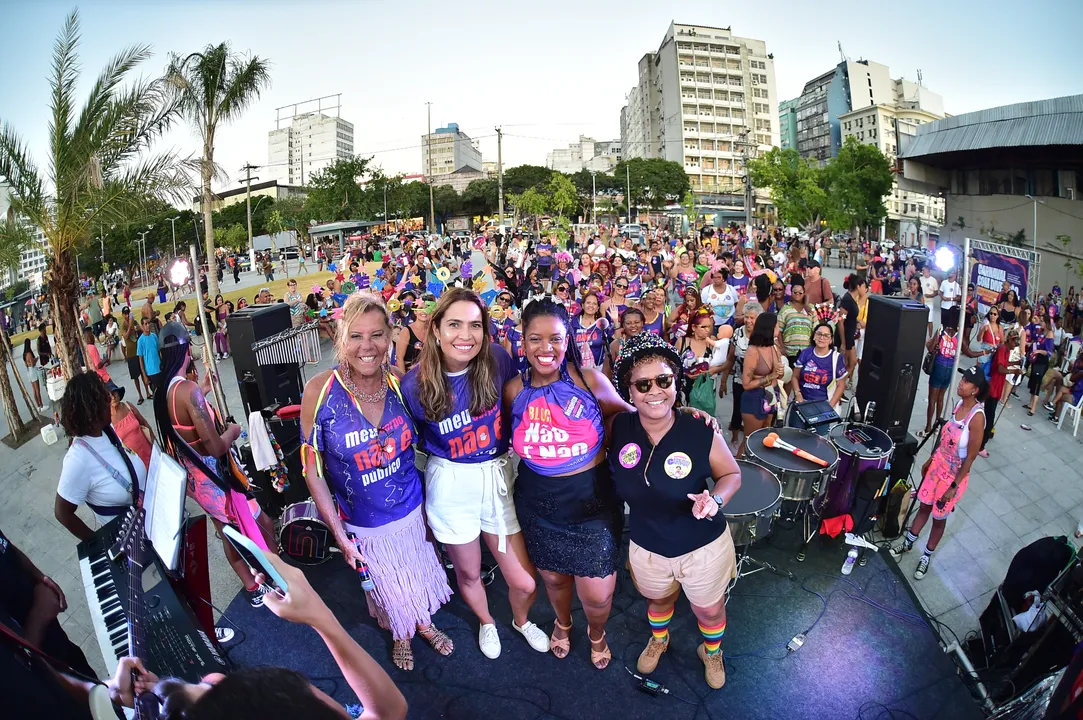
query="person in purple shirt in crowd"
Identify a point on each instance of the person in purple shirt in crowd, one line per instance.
(818, 370)
(544, 250)
(454, 395)
(358, 443)
(564, 497)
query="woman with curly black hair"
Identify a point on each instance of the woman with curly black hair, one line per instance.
(98, 470)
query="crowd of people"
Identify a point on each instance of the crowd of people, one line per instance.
(540, 392)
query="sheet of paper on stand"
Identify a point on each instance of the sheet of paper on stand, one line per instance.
(164, 504)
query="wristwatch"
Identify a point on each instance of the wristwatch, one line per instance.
(718, 499)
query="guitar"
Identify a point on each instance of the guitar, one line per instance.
(132, 543)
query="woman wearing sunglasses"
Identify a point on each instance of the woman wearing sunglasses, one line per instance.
(615, 306)
(358, 445)
(676, 475)
(454, 395)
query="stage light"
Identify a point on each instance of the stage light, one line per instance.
(944, 259)
(179, 274)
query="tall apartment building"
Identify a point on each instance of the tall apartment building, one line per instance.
(703, 100)
(31, 259)
(311, 142)
(452, 150)
(587, 153)
(882, 125)
(639, 119)
(787, 123)
(850, 85)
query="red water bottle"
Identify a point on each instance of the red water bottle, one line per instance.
(362, 569)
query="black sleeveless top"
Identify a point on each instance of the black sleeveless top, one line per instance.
(661, 519)
(413, 349)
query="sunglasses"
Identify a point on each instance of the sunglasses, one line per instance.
(562, 289)
(664, 382)
(622, 286)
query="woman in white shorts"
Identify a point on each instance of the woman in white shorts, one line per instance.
(454, 396)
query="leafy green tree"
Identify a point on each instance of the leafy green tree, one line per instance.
(262, 205)
(480, 197)
(237, 237)
(414, 200)
(446, 202)
(562, 195)
(654, 182)
(99, 170)
(335, 194)
(857, 181)
(797, 187)
(212, 88)
(521, 178)
(531, 203)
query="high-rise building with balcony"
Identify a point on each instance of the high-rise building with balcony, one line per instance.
(451, 149)
(704, 100)
(311, 142)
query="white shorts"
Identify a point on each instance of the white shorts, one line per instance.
(464, 499)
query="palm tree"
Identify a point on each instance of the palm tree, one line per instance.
(99, 169)
(214, 87)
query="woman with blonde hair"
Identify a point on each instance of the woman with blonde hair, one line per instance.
(454, 394)
(358, 444)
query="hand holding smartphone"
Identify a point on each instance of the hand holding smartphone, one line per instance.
(257, 561)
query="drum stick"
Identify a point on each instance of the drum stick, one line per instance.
(774, 441)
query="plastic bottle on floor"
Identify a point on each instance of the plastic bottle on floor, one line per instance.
(848, 564)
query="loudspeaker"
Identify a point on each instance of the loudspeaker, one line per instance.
(891, 361)
(261, 385)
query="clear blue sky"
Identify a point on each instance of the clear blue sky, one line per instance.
(545, 71)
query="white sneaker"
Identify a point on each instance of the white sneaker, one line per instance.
(223, 635)
(534, 636)
(489, 641)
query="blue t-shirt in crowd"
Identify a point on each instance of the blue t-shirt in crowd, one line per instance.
(147, 348)
(460, 436)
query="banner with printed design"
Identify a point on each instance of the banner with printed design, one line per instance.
(988, 273)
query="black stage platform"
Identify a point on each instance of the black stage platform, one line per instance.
(869, 654)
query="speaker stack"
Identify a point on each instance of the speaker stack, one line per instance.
(890, 366)
(265, 387)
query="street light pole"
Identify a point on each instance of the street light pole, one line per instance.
(594, 197)
(428, 171)
(1034, 241)
(143, 248)
(628, 196)
(173, 222)
(385, 206)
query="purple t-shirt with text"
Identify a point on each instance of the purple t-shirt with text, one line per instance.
(459, 436)
(817, 373)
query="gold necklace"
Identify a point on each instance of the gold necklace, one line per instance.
(371, 398)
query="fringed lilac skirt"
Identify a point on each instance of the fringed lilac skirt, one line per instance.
(410, 580)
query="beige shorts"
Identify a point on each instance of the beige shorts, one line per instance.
(703, 574)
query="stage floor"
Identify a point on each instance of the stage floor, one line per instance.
(869, 651)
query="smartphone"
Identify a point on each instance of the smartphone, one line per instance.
(255, 558)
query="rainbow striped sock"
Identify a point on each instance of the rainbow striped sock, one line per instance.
(712, 637)
(660, 623)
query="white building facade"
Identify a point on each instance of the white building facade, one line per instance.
(310, 143)
(704, 100)
(451, 150)
(917, 214)
(587, 154)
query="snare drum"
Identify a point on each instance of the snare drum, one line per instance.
(861, 447)
(750, 512)
(304, 535)
(800, 478)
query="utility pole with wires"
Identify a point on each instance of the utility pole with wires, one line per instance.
(628, 190)
(743, 135)
(428, 170)
(248, 178)
(500, 176)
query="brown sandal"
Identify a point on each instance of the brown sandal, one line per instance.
(563, 646)
(599, 656)
(437, 639)
(403, 655)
